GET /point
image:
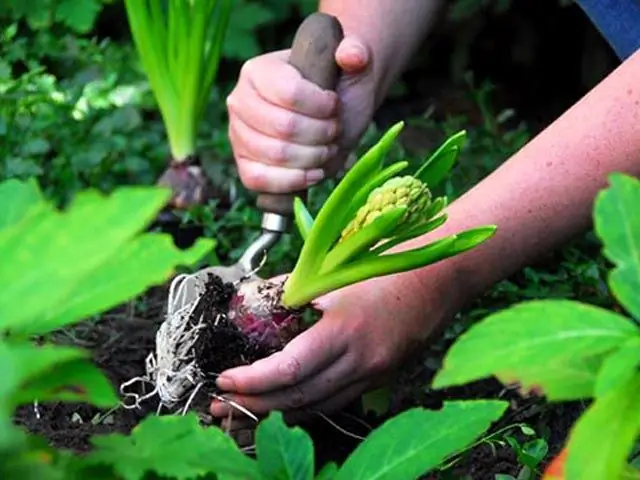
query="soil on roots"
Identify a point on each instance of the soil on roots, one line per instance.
(221, 344)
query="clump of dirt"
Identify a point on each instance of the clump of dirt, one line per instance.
(221, 344)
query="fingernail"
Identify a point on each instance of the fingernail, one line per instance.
(314, 176)
(225, 383)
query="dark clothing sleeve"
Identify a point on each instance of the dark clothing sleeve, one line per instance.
(618, 21)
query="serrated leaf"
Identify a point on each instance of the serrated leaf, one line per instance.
(17, 198)
(436, 168)
(172, 446)
(617, 223)
(144, 261)
(555, 346)
(418, 440)
(605, 434)
(618, 368)
(284, 453)
(48, 253)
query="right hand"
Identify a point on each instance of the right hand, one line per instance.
(288, 134)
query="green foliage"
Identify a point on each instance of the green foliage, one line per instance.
(326, 263)
(77, 15)
(66, 260)
(569, 350)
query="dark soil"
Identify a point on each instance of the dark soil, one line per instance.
(222, 345)
(122, 338)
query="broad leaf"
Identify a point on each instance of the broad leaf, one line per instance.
(418, 440)
(553, 345)
(436, 168)
(85, 259)
(617, 223)
(172, 446)
(50, 372)
(605, 434)
(17, 198)
(47, 255)
(144, 261)
(284, 453)
(618, 368)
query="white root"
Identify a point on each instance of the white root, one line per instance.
(172, 368)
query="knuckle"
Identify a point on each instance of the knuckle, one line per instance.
(378, 362)
(296, 398)
(287, 127)
(278, 154)
(252, 178)
(290, 370)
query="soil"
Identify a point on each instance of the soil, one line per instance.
(122, 338)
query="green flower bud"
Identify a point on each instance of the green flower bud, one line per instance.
(395, 192)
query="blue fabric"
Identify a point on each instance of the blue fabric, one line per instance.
(618, 21)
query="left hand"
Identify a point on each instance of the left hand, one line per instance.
(365, 331)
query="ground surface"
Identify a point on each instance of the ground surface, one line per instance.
(122, 338)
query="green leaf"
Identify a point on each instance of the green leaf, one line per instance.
(553, 345)
(605, 434)
(414, 232)
(47, 373)
(328, 471)
(303, 219)
(618, 368)
(363, 239)
(147, 260)
(436, 168)
(617, 223)
(471, 238)
(283, 453)
(79, 15)
(17, 199)
(85, 259)
(172, 446)
(418, 440)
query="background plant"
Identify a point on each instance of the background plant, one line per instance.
(567, 350)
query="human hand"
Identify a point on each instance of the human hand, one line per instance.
(365, 331)
(286, 133)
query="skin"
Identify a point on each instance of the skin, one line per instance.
(540, 198)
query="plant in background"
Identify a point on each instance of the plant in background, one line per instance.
(180, 44)
(567, 350)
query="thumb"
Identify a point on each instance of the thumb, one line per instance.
(352, 55)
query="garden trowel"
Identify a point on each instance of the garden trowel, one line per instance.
(313, 55)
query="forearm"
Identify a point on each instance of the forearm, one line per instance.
(543, 196)
(392, 29)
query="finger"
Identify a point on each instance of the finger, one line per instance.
(352, 55)
(316, 388)
(307, 354)
(269, 179)
(277, 122)
(279, 83)
(276, 152)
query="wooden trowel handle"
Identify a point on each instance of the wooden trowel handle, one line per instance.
(313, 55)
